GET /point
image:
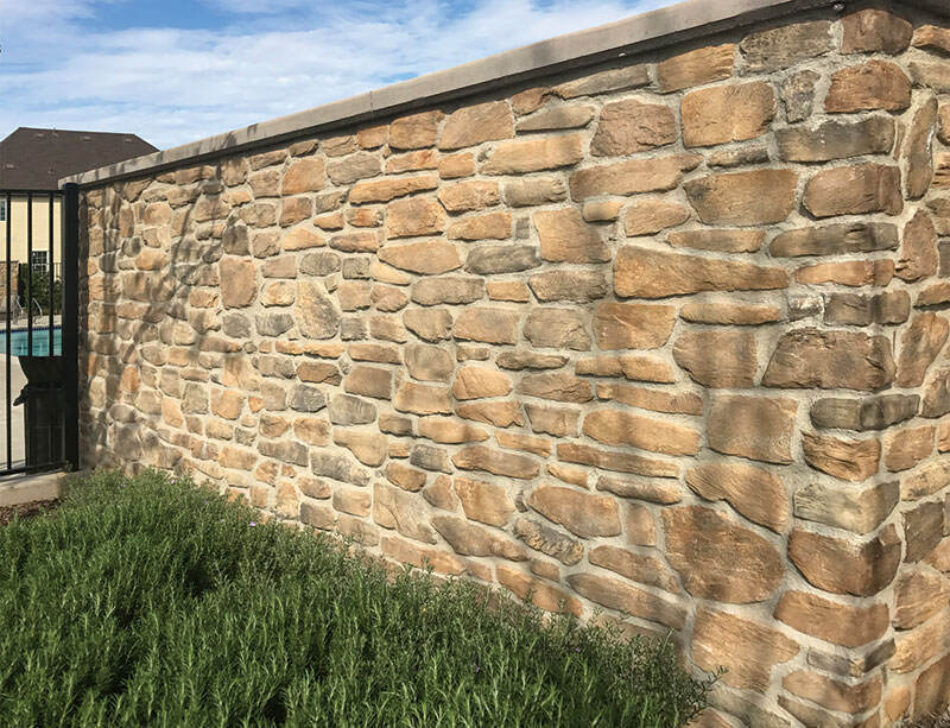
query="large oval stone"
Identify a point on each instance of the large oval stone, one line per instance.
(718, 559)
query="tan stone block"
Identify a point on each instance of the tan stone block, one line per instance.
(872, 85)
(923, 530)
(422, 399)
(487, 226)
(414, 216)
(840, 624)
(614, 79)
(650, 216)
(452, 431)
(632, 325)
(565, 237)
(499, 414)
(836, 140)
(756, 493)
(421, 557)
(238, 282)
(736, 314)
(569, 285)
(468, 196)
(906, 448)
(304, 175)
(531, 191)
(540, 593)
(415, 131)
(872, 30)
(558, 117)
(848, 273)
(478, 382)
(619, 427)
(918, 596)
(832, 694)
(558, 328)
(490, 325)
(429, 325)
(484, 502)
(386, 190)
(657, 400)
(481, 457)
(623, 597)
(854, 190)
(369, 381)
(644, 273)
(919, 256)
(722, 240)
(635, 566)
(406, 512)
(533, 155)
(748, 650)
(921, 343)
(355, 501)
(300, 238)
(718, 357)
(422, 159)
(555, 421)
(754, 427)
(633, 177)
(697, 67)
(830, 359)
(933, 38)
(515, 291)
(931, 690)
(428, 363)
(472, 125)
(932, 75)
(471, 540)
(744, 198)
(786, 45)
(725, 114)
(638, 367)
(853, 460)
(918, 149)
(718, 559)
(917, 647)
(426, 258)
(405, 477)
(559, 386)
(457, 165)
(846, 566)
(630, 126)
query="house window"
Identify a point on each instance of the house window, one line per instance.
(40, 261)
(3, 210)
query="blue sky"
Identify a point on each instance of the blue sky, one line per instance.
(174, 71)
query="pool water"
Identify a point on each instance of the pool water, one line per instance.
(19, 342)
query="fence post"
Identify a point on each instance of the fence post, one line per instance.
(70, 323)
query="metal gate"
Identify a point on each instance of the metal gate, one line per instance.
(39, 425)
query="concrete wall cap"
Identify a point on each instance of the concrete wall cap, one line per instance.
(641, 33)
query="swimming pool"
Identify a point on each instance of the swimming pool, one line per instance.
(19, 342)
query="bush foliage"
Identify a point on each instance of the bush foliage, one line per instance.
(151, 602)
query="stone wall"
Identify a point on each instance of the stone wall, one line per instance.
(664, 341)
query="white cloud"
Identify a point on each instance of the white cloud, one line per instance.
(172, 86)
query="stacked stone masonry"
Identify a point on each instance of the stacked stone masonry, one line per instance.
(662, 343)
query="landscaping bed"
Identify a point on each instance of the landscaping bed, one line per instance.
(148, 601)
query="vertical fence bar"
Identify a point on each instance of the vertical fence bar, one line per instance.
(9, 412)
(70, 323)
(29, 274)
(49, 263)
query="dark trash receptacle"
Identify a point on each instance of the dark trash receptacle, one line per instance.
(43, 400)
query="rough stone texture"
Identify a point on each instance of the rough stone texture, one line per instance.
(664, 337)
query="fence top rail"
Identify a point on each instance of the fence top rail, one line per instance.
(23, 193)
(641, 33)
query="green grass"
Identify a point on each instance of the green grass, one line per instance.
(149, 602)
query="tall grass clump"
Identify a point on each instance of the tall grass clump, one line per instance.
(152, 602)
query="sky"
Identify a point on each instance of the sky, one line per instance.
(174, 71)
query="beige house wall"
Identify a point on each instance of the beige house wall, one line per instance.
(17, 219)
(661, 341)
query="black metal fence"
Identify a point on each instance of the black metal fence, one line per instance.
(40, 334)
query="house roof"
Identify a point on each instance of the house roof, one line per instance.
(661, 28)
(36, 159)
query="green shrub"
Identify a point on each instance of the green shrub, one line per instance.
(150, 602)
